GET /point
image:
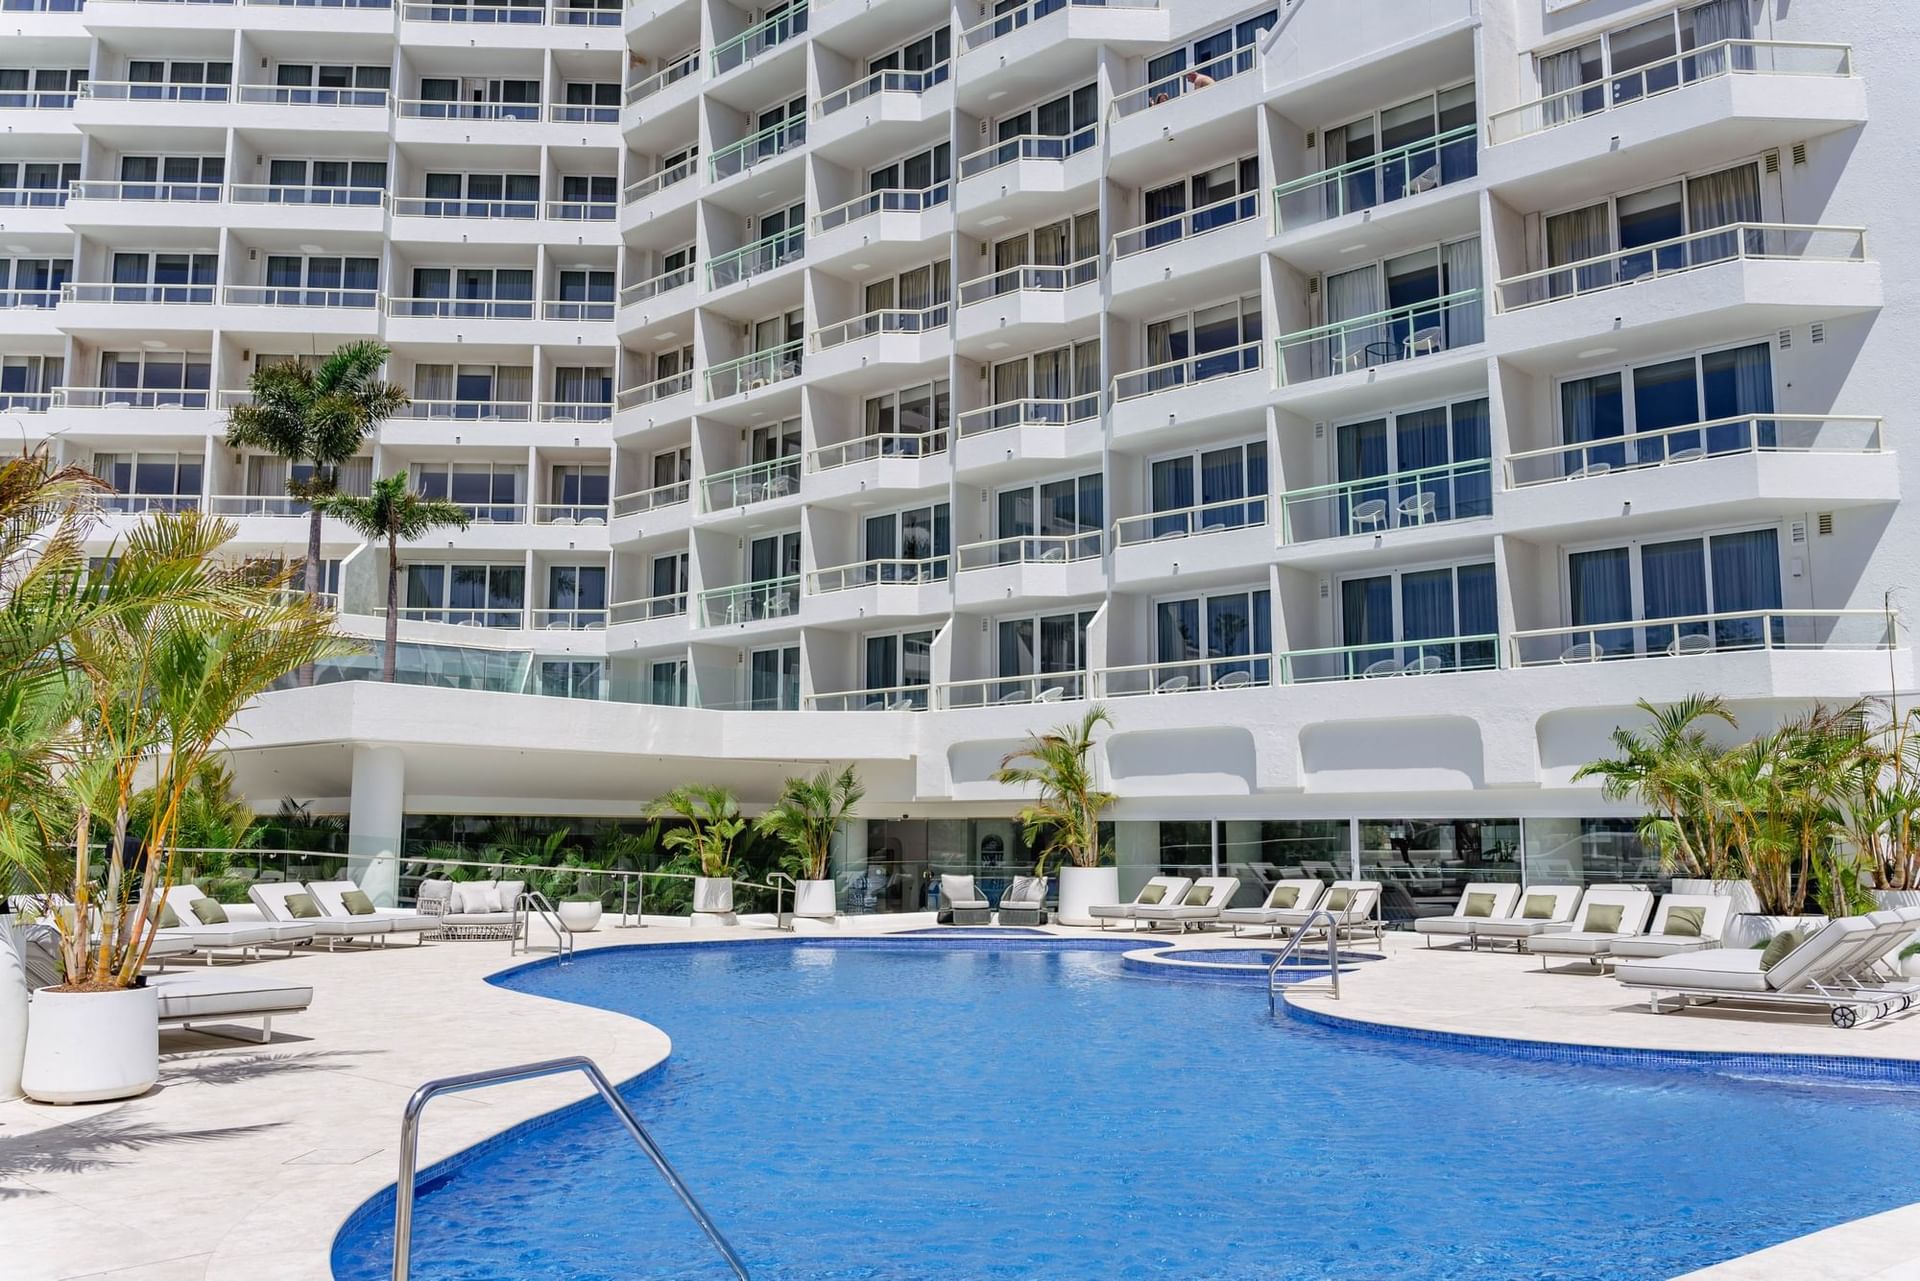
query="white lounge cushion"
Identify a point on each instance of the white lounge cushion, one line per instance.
(169, 943)
(1499, 897)
(958, 891)
(1219, 892)
(219, 993)
(1303, 895)
(1712, 970)
(1561, 903)
(1172, 890)
(475, 896)
(1654, 945)
(1361, 896)
(476, 918)
(1460, 925)
(1110, 911)
(1574, 943)
(332, 895)
(229, 935)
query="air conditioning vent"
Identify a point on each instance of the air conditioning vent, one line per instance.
(1817, 332)
(1773, 162)
(1313, 286)
(1799, 532)
(1786, 339)
(1313, 139)
(1799, 153)
(1326, 589)
(1824, 523)
(1319, 431)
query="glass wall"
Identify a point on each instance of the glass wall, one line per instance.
(1423, 864)
(1591, 851)
(1262, 851)
(899, 866)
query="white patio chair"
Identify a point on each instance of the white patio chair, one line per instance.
(1384, 667)
(1691, 643)
(1424, 665)
(1371, 514)
(1416, 509)
(1585, 653)
(1425, 341)
(1172, 685)
(1234, 680)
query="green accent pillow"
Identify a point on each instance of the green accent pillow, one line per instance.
(1337, 900)
(1479, 905)
(1686, 922)
(1151, 894)
(1778, 946)
(169, 919)
(1538, 907)
(357, 903)
(301, 907)
(209, 912)
(1285, 897)
(1603, 918)
(1197, 896)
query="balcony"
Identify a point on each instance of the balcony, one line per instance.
(886, 228)
(685, 71)
(125, 306)
(25, 402)
(435, 421)
(257, 506)
(637, 410)
(753, 372)
(567, 620)
(739, 487)
(1012, 691)
(448, 319)
(871, 591)
(1391, 659)
(1366, 344)
(581, 113)
(1744, 276)
(647, 303)
(880, 466)
(1184, 676)
(1196, 393)
(782, 249)
(574, 411)
(425, 120)
(276, 309)
(1202, 107)
(578, 312)
(893, 698)
(1026, 306)
(1044, 43)
(653, 513)
(1021, 178)
(585, 515)
(649, 620)
(1234, 238)
(140, 504)
(1159, 545)
(888, 342)
(757, 40)
(769, 600)
(503, 617)
(1698, 635)
(119, 103)
(659, 192)
(880, 116)
(315, 209)
(302, 107)
(580, 211)
(130, 204)
(1412, 194)
(1024, 436)
(131, 398)
(757, 149)
(1030, 567)
(1373, 505)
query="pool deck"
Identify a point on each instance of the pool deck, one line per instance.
(244, 1161)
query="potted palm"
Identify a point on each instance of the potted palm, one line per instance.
(390, 513)
(1063, 820)
(806, 816)
(712, 822)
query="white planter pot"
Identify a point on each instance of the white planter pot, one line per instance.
(1741, 892)
(815, 900)
(13, 1005)
(1751, 929)
(1081, 888)
(86, 1047)
(1910, 967)
(713, 894)
(579, 918)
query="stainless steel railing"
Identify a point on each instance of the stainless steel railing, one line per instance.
(1333, 955)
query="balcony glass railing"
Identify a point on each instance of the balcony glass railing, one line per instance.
(1035, 277)
(441, 207)
(26, 402)
(303, 96)
(756, 149)
(444, 109)
(642, 501)
(908, 82)
(575, 411)
(136, 504)
(750, 602)
(885, 321)
(1202, 76)
(752, 372)
(188, 295)
(659, 389)
(1011, 691)
(33, 198)
(486, 411)
(927, 444)
(1716, 438)
(278, 296)
(1185, 226)
(1182, 676)
(582, 113)
(29, 299)
(1383, 338)
(567, 309)
(36, 100)
(581, 210)
(1374, 504)
(754, 483)
(476, 14)
(1030, 549)
(589, 514)
(647, 608)
(256, 505)
(757, 39)
(462, 308)
(1725, 57)
(872, 573)
(672, 73)
(1740, 241)
(1410, 170)
(585, 15)
(886, 200)
(1004, 24)
(131, 397)
(1028, 146)
(1696, 634)
(185, 192)
(260, 193)
(778, 250)
(153, 91)
(1205, 367)
(1406, 657)
(506, 617)
(569, 620)
(665, 282)
(891, 698)
(1029, 413)
(658, 181)
(1186, 522)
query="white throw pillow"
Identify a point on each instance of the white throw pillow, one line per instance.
(509, 894)
(476, 896)
(957, 889)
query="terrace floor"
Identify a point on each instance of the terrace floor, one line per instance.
(244, 1161)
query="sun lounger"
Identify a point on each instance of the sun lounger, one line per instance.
(1480, 902)
(470, 910)
(1683, 923)
(1834, 967)
(1354, 906)
(332, 898)
(272, 899)
(1625, 910)
(246, 929)
(195, 1000)
(1157, 890)
(1025, 901)
(1538, 911)
(961, 903)
(1199, 907)
(1285, 896)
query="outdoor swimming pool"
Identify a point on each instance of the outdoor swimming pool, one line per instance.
(874, 1113)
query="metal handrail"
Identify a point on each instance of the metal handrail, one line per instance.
(534, 902)
(410, 1144)
(781, 884)
(1333, 955)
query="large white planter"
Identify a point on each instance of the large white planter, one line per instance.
(713, 894)
(815, 900)
(87, 1047)
(579, 918)
(13, 1004)
(1081, 888)
(1741, 892)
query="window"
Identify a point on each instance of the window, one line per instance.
(582, 294)
(778, 128)
(1065, 381)
(325, 182)
(151, 481)
(1071, 242)
(1049, 650)
(1219, 639)
(1051, 520)
(929, 54)
(667, 682)
(1412, 305)
(667, 581)
(1071, 116)
(909, 423)
(1213, 342)
(1226, 476)
(490, 492)
(33, 282)
(589, 101)
(1398, 140)
(774, 679)
(1735, 573)
(151, 378)
(675, 363)
(1412, 621)
(44, 88)
(27, 382)
(576, 596)
(478, 98)
(898, 668)
(270, 477)
(1647, 407)
(503, 292)
(332, 84)
(774, 557)
(587, 197)
(1213, 57)
(571, 677)
(487, 595)
(581, 393)
(323, 281)
(178, 80)
(481, 195)
(1432, 464)
(908, 546)
(1216, 197)
(479, 392)
(579, 491)
(927, 172)
(35, 184)
(673, 466)
(1634, 234)
(163, 277)
(171, 177)
(918, 289)
(1636, 61)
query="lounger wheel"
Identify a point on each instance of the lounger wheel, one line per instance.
(1845, 1016)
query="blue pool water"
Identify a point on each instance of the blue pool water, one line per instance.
(875, 1113)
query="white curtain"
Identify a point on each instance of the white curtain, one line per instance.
(433, 382)
(356, 476)
(1351, 295)
(1720, 200)
(513, 383)
(1575, 236)
(1719, 20)
(1460, 270)
(1559, 72)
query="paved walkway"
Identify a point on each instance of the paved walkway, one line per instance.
(244, 1162)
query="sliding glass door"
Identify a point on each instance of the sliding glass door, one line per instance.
(1413, 622)
(1644, 408)
(1735, 574)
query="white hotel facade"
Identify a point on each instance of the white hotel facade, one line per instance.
(1366, 419)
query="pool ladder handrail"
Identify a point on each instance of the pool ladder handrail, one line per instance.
(1333, 955)
(530, 904)
(410, 1143)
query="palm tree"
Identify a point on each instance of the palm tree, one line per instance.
(392, 512)
(807, 814)
(1669, 768)
(1065, 819)
(321, 416)
(713, 822)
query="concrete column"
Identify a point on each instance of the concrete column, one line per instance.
(374, 822)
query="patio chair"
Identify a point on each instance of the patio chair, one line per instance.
(1425, 341)
(1586, 652)
(1416, 509)
(1173, 685)
(210, 927)
(1691, 643)
(961, 903)
(1480, 901)
(1196, 909)
(1384, 667)
(1157, 890)
(198, 1000)
(1285, 896)
(470, 910)
(1692, 454)
(284, 901)
(1426, 180)
(1371, 513)
(1540, 910)
(1683, 923)
(1234, 680)
(343, 900)
(1051, 694)
(1354, 906)
(1425, 664)
(1025, 901)
(1607, 914)
(1591, 469)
